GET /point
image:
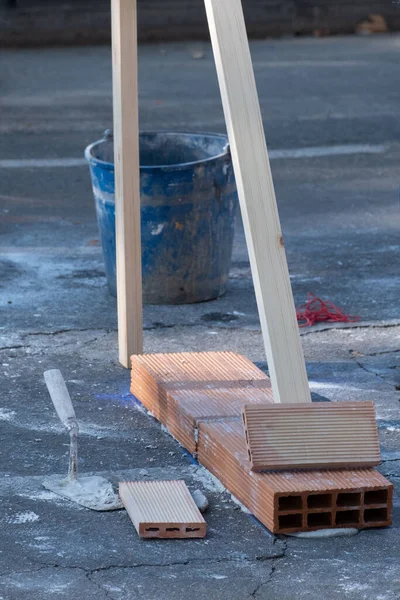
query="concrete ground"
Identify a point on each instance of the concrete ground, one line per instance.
(340, 218)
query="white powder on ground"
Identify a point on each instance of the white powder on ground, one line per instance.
(44, 495)
(209, 482)
(325, 533)
(242, 507)
(6, 415)
(90, 491)
(26, 517)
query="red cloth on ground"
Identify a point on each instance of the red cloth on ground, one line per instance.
(316, 310)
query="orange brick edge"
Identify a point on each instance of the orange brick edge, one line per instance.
(298, 501)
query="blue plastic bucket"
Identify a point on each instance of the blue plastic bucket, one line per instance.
(188, 209)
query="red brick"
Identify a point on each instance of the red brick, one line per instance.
(162, 509)
(305, 436)
(183, 389)
(293, 500)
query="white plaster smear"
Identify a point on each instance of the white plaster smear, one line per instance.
(21, 518)
(6, 415)
(325, 533)
(92, 492)
(157, 230)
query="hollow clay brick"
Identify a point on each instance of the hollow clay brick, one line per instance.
(320, 435)
(294, 500)
(187, 409)
(183, 389)
(162, 509)
(200, 396)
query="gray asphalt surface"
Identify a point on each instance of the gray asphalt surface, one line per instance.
(340, 217)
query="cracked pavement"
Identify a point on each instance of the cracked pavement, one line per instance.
(340, 220)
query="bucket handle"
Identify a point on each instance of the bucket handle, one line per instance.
(108, 134)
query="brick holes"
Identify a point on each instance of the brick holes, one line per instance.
(348, 499)
(290, 503)
(375, 515)
(290, 521)
(319, 519)
(348, 517)
(319, 501)
(172, 529)
(152, 529)
(281, 504)
(376, 497)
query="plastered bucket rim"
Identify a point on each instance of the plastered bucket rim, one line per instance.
(170, 167)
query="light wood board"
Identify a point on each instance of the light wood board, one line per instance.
(257, 201)
(127, 179)
(320, 435)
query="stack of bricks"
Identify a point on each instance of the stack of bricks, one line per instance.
(199, 397)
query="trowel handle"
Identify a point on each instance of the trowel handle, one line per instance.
(61, 399)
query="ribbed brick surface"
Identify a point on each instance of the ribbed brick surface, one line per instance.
(199, 397)
(183, 389)
(162, 509)
(187, 409)
(293, 500)
(323, 435)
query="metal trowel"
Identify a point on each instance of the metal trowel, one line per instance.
(92, 492)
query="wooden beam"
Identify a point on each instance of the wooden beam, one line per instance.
(127, 180)
(257, 201)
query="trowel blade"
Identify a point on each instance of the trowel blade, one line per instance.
(92, 492)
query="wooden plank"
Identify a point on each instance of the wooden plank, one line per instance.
(127, 181)
(322, 435)
(257, 201)
(162, 509)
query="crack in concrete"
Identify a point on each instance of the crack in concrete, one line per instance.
(91, 571)
(334, 327)
(274, 566)
(371, 372)
(61, 331)
(189, 561)
(107, 593)
(55, 333)
(30, 570)
(13, 347)
(160, 325)
(259, 585)
(86, 572)
(383, 352)
(265, 583)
